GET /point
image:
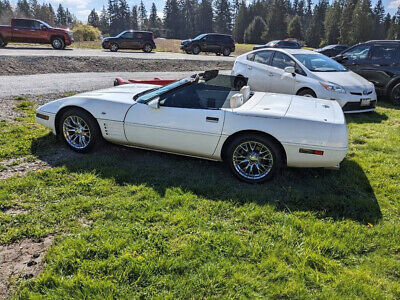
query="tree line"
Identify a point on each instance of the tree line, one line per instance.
(316, 24)
(32, 9)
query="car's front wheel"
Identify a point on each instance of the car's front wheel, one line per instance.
(79, 130)
(254, 158)
(188, 51)
(58, 44)
(226, 52)
(307, 93)
(395, 94)
(2, 43)
(196, 50)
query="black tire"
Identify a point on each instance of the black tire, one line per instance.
(240, 82)
(2, 43)
(188, 51)
(272, 162)
(307, 93)
(114, 47)
(218, 54)
(147, 48)
(395, 94)
(226, 51)
(196, 50)
(92, 139)
(58, 43)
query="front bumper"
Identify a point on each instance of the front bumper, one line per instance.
(46, 119)
(352, 103)
(105, 45)
(185, 47)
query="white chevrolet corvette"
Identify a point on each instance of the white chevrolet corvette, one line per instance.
(203, 116)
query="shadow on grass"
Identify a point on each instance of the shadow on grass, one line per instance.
(369, 117)
(344, 194)
(35, 48)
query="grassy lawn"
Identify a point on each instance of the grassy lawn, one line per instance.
(163, 226)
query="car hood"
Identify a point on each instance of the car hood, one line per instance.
(271, 105)
(349, 79)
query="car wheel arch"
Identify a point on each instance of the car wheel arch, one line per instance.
(306, 88)
(251, 131)
(57, 118)
(53, 37)
(392, 83)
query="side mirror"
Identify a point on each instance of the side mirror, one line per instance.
(43, 27)
(155, 103)
(290, 70)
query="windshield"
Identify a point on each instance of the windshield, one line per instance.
(44, 23)
(319, 63)
(200, 36)
(119, 35)
(146, 96)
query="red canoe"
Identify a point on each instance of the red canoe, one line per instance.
(156, 81)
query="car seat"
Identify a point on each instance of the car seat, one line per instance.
(236, 100)
(246, 92)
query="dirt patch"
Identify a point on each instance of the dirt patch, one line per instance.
(26, 65)
(23, 259)
(20, 167)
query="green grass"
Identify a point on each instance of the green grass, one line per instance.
(165, 226)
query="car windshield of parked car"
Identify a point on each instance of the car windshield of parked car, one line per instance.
(199, 37)
(119, 35)
(150, 94)
(319, 63)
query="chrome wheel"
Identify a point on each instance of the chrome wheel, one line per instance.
(114, 47)
(252, 160)
(148, 48)
(76, 132)
(57, 44)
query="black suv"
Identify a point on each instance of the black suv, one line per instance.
(378, 62)
(279, 44)
(130, 39)
(209, 42)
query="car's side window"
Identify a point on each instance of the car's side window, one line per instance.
(128, 35)
(184, 97)
(250, 56)
(263, 57)
(36, 25)
(22, 23)
(358, 53)
(385, 54)
(281, 61)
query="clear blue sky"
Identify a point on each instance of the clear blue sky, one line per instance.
(81, 8)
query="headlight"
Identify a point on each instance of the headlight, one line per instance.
(333, 87)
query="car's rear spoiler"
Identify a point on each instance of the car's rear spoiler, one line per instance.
(156, 81)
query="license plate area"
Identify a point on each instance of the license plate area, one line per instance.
(365, 102)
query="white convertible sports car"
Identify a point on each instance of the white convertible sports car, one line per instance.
(203, 116)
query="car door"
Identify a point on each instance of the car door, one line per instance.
(179, 125)
(208, 43)
(39, 35)
(258, 70)
(281, 81)
(382, 64)
(21, 31)
(126, 41)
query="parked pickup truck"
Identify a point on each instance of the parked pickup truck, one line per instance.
(35, 31)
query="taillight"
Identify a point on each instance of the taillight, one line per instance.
(152, 36)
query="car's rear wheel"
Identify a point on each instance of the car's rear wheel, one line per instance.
(79, 130)
(226, 52)
(254, 158)
(395, 94)
(58, 43)
(114, 47)
(196, 50)
(147, 48)
(2, 43)
(307, 93)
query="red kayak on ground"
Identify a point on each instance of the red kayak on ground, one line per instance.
(156, 81)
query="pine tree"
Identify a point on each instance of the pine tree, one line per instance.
(142, 16)
(294, 28)
(104, 24)
(113, 15)
(346, 22)
(378, 15)
(362, 24)
(316, 32)
(253, 33)
(134, 18)
(6, 11)
(172, 18)
(93, 18)
(23, 9)
(240, 23)
(276, 27)
(386, 25)
(153, 16)
(223, 17)
(333, 14)
(204, 18)
(61, 18)
(124, 15)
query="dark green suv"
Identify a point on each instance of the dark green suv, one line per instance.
(209, 42)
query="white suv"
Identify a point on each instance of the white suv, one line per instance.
(305, 73)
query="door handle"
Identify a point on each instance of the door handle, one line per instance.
(249, 67)
(212, 119)
(270, 74)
